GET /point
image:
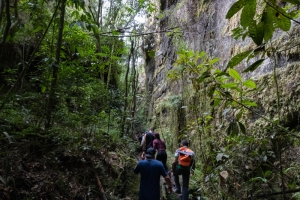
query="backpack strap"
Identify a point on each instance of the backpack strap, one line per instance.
(185, 152)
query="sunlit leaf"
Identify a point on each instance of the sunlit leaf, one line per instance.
(234, 74)
(267, 173)
(229, 85)
(214, 61)
(216, 102)
(37, 29)
(202, 54)
(249, 103)
(249, 84)
(43, 88)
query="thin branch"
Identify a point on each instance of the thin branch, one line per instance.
(281, 12)
(141, 34)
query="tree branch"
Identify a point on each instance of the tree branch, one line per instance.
(274, 7)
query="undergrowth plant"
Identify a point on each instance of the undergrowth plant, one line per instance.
(235, 161)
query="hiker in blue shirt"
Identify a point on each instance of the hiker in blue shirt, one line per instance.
(151, 170)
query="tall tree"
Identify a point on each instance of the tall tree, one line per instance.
(55, 67)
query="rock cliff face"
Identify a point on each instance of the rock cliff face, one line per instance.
(201, 25)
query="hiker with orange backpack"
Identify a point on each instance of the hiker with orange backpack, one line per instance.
(184, 164)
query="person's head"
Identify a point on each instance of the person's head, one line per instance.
(150, 153)
(156, 135)
(184, 143)
(151, 130)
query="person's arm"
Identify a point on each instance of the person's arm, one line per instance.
(175, 157)
(136, 170)
(169, 183)
(193, 164)
(143, 139)
(155, 144)
(164, 144)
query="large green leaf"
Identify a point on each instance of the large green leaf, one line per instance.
(235, 8)
(256, 32)
(282, 21)
(203, 76)
(151, 53)
(238, 58)
(248, 13)
(232, 129)
(268, 18)
(254, 66)
(242, 127)
(229, 85)
(214, 61)
(234, 74)
(258, 179)
(249, 84)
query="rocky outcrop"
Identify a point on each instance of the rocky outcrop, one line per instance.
(201, 26)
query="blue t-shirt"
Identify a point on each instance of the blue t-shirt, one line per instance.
(150, 170)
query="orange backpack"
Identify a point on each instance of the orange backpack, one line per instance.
(185, 156)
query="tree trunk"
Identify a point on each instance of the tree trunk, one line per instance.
(134, 81)
(52, 101)
(8, 23)
(126, 89)
(110, 63)
(1, 10)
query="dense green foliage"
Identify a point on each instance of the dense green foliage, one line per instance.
(67, 90)
(69, 93)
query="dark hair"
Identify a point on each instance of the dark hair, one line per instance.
(150, 152)
(185, 143)
(156, 136)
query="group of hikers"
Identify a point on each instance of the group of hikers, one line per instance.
(153, 164)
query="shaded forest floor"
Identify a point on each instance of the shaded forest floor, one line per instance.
(35, 167)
